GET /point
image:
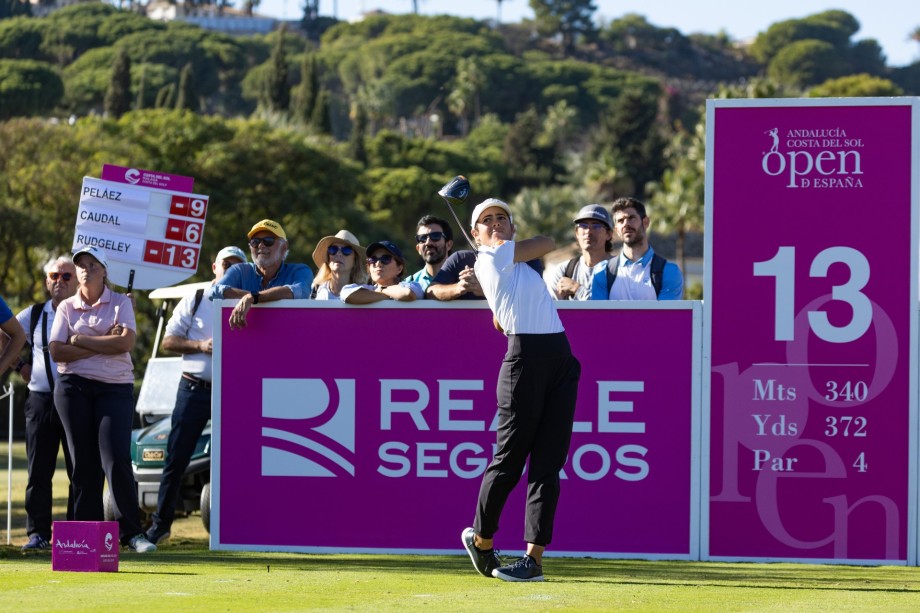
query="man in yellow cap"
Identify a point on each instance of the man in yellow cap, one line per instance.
(267, 278)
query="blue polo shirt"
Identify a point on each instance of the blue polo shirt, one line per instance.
(5, 313)
(245, 276)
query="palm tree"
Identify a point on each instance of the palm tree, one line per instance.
(498, 18)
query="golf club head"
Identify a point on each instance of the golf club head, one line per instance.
(457, 191)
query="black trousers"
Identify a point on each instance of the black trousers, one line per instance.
(189, 417)
(97, 417)
(44, 438)
(537, 391)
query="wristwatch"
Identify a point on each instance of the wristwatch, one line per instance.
(255, 297)
(19, 366)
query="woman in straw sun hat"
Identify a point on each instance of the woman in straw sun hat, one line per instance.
(339, 260)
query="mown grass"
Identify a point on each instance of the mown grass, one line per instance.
(185, 576)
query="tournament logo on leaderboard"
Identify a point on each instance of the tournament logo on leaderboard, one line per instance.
(133, 176)
(309, 428)
(814, 157)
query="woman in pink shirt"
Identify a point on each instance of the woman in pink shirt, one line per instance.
(91, 340)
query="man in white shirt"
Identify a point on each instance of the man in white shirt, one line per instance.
(189, 332)
(44, 432)
(638, 273)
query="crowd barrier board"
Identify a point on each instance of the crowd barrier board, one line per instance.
(340, 428)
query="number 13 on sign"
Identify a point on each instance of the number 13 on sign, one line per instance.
(782, 267)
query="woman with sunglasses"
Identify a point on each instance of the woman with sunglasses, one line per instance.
(339, 260)
(386, 267)
(91, 340)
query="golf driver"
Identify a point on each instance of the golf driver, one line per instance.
(456, 192)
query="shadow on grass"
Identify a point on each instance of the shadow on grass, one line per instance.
(190, 553)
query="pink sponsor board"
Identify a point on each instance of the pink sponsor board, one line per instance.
(85, 546)
(147, 178)
(811, 268)
(343, 428)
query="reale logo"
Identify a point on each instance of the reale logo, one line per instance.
(306, 432)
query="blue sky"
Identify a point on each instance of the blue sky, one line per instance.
(890, 22)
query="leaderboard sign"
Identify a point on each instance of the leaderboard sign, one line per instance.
(154, 231)
(811, 284)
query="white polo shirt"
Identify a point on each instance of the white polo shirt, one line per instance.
(517, 295)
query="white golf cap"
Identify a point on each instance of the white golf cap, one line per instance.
(489, 203)
(96, 252)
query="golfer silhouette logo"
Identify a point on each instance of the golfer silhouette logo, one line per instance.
(774, 134)
(306, 430)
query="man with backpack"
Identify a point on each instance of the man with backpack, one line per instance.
(638, 273)
(44, 431)
(190, 333)
(572, 280)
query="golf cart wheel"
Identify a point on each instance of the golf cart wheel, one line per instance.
(206, 506)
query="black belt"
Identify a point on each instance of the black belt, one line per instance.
(197, 380)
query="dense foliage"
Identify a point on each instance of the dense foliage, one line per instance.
(357, 124)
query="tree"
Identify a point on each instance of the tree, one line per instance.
(566, 18)
(14, 8)
(858, 85)
(629, 136)
(463, 99)
(166, 96)
(28, 87)
(357, 146)
(304, 95)
(498, 15)
(187, 96)
(805, 62)
(833, 27)
(140, 101)
(118, 94)
(321, 119)
(250, 5)
(678, 199)
(277, 95)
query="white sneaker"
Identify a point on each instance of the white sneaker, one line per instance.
(140, 544)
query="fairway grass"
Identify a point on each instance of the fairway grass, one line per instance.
(184, 576)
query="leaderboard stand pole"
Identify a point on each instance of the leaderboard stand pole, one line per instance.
(9, 474)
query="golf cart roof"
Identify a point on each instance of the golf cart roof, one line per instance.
(175, 292)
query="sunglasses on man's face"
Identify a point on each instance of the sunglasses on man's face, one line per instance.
(383, 259)
(590, 226)
(268, 240)
(434, 236)
(333, 249)
(66, 276)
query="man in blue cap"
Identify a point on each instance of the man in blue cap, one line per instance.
(572, 279)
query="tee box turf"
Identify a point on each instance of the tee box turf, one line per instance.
(85, 546)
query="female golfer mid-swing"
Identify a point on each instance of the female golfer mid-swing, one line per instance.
(537, 389)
